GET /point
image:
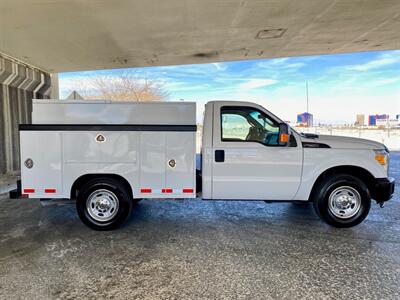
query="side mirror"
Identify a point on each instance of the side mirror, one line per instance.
(283, 134)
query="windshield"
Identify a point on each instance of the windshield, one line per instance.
(261, 119)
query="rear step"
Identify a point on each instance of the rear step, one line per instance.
(50, 202)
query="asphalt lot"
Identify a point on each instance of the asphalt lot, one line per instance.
(196, 250)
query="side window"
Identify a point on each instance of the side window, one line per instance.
(247, 124)
(234, 127)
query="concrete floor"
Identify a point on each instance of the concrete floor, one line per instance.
(8, 182)
(195, 249)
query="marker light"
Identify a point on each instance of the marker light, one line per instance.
(284, 138)
(382, 157)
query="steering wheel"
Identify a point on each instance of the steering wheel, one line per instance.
(271, 138)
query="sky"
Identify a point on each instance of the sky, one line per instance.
(340, 86)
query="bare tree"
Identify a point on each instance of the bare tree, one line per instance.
(122, 87)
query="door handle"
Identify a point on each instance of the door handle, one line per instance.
(219, 155)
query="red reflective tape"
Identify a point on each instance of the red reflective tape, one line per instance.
(187, 190)
(168, 191)
(145, 190)
(29, 191)
(50, 191)
(24, 195)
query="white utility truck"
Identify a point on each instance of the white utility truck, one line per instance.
(108, 155)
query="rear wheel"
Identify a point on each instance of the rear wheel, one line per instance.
(342, 200)
(103, 204)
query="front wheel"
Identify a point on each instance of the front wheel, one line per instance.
(342, 200)
(103, 204)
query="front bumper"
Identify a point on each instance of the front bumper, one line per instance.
(383, 189)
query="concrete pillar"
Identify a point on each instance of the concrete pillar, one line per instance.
(55, 89)
(19, 84)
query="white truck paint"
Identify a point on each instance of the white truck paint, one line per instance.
(62, 156)
(151, 147)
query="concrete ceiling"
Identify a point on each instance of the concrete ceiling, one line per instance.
(72, 35)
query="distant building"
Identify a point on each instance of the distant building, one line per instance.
(388, 123)
(372, 119)
(305, 119)
(382, 123)
(394, 123)
(360, 120)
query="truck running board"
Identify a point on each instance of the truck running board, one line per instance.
(50, 202)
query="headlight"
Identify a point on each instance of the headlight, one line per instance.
(382, 157)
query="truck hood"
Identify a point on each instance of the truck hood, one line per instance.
(341, 142)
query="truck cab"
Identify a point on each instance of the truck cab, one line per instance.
(106, 156)
(242, 156)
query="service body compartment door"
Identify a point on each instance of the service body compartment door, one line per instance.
(180, 164)
(247, 161)
(44, 178)
(152, 164)
(116, 154)
(117, 147)
(167, 164)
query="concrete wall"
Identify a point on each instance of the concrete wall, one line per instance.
(19, 84)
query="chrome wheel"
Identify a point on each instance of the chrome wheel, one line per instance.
(102, 205)
(344, 202)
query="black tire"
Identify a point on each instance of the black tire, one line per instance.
(331, 186)
(108, 186)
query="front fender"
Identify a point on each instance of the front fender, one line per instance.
(317, 161)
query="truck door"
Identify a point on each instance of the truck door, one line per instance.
(247, 162)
